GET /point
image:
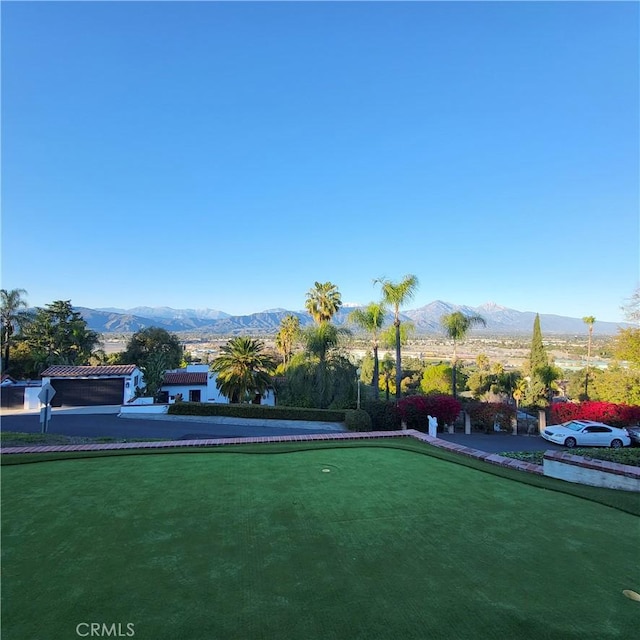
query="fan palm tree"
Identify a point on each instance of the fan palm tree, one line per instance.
(396, 294)
(287, 335)
(456, 326)
(323, 301)
(589, 321)
(320, 343)
(371, 319)
(243, 368)
(12, 314)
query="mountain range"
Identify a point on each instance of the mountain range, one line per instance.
(426, 320)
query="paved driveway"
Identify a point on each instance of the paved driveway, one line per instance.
(86, 423)
(109, 425)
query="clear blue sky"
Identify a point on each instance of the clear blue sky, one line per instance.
(228, 155)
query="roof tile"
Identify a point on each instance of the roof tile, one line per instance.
(185, 378)
(67, 371)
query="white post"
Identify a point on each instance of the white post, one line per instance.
(542, 420)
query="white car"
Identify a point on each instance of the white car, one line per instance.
(586, 433)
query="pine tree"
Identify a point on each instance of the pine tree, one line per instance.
(538, 357)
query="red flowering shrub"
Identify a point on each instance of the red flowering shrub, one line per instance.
(484, 414)
(414, 410)
(616, 415)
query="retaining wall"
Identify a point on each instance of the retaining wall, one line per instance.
(597, 473)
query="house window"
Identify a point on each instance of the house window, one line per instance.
(194, 395)
(136, 380)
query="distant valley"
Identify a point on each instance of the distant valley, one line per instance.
(500, 320)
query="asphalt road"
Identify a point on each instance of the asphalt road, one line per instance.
(109, 425)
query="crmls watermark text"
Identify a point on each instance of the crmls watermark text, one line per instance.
(103, 630)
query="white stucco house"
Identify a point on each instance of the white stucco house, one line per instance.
(196, 383)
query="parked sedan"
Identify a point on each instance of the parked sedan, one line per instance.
(634, 434)
(586, 433)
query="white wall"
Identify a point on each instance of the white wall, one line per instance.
(594, 477)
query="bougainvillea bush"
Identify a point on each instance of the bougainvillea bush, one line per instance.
(414, 410)
(485, 414)
(616, 415)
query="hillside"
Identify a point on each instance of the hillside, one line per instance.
(500, 320)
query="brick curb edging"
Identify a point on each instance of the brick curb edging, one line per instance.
(492, 458)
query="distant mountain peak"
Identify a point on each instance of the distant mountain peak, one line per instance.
(426, 320)
(491, 306)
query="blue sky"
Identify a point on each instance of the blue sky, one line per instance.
(228, 155)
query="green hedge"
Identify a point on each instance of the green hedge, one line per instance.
(264, 412)
(357, 420)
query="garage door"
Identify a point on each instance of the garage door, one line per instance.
(12, 397)
(84, 393)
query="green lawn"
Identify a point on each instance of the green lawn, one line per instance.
(389, 543)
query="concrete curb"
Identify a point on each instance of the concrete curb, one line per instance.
(238, 422)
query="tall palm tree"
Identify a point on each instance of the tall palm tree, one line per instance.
(589, 321)
(456, 326)
(323, 301)
(12, 314)
(287, 335)
(396, 294)
(371, 319)
(243, 368)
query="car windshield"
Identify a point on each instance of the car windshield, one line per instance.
(574, 426)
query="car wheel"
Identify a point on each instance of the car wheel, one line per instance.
(616, 444)
(570, 443)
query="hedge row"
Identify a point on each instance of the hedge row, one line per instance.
(263, 412)
(616, 415)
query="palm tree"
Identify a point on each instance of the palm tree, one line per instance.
(243, 368)
(287, 335)
(12, 315)
(371, 319)
(589, 321)
(320, 344)
(456, 326)
(323, 301)
(396, 294)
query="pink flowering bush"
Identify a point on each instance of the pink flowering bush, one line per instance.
(616, 415)
(414, 410)
(484, 414)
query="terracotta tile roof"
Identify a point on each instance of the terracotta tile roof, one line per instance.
(66, 371)
(188, 378)
(6, 378)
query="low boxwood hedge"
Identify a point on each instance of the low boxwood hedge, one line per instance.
(357, 420)
(263, 412)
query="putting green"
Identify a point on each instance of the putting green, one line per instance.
(344, 543)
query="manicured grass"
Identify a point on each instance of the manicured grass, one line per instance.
(389, 543)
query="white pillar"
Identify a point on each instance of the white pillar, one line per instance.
(542, 420)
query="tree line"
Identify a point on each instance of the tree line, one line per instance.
(312, 367)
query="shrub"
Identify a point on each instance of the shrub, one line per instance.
(383, 415)
(616, 415)
(484, 414)
(414, 410)
(357, 420)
